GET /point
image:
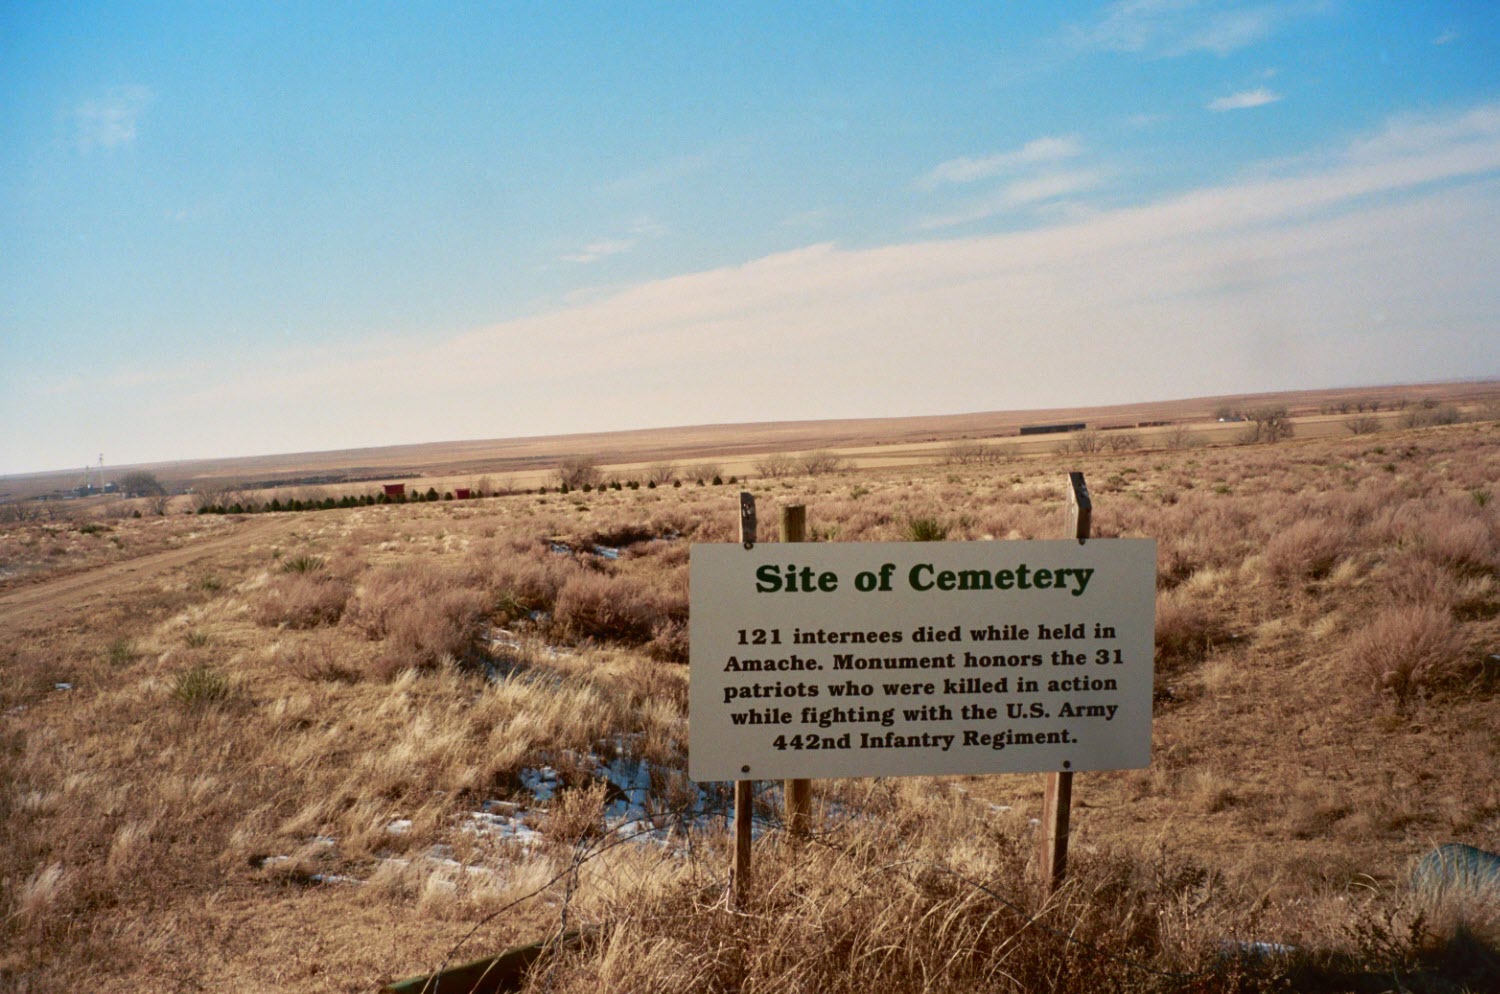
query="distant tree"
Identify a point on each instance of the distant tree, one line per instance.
(661, 472)
(575, 471)
(1122, 441)
(775, 465)
(1179, 437)
(964, 451)
(19, 510)
(1084, 442)
(140, 483)
(217, 493)
(821, 461)
(1363, 425)
(1271, 423)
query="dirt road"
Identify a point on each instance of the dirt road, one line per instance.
(36, 602)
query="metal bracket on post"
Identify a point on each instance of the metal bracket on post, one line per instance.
(1080, 508)
(747, 519)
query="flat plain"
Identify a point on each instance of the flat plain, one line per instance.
(325, 749)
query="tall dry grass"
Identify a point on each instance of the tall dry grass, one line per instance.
(439, 652)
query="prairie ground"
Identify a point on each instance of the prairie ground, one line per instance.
(328, 749)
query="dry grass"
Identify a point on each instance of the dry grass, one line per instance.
(1407, 651)
(246, 724)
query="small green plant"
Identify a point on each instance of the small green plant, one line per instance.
(196, 639)
(1481, 496)
(121, 652)
(92, 528)
(303, 564)
(926, 530)
(858, 492)
(201, 687)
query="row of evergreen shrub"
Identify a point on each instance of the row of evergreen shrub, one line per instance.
(326, 504)
(564, 488)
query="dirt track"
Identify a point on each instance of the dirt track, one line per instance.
(37, 601)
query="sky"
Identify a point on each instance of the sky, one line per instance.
(246, 228)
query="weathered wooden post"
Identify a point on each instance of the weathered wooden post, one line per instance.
(744, 790)
(798, 792)
(1057, 797)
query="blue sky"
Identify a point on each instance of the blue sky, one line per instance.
(229, 229)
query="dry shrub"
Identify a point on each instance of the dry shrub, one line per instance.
(523, 580)
(423, 615)
(1187, 630)
(899, 904)
(1414, 580)
(669, 642)
(1311, 811)
(45, 888)
(304, 599)
(1408, 650)
(1210, 790)
(576, 815)
(1461, 931)
(614, 608)
(1306, 550)
(1461, 542)
(318, 663)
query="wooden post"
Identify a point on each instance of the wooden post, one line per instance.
(744, 790)
(1057, 798)
(739, 871)
(798, 792)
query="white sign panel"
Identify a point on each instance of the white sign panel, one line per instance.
(852, 659)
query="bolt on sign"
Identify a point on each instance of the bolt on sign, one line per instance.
(920, 658)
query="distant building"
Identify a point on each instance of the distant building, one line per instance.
(1052, 429)
(461, 493)
(395, 490)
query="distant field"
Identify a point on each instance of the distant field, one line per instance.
(323, 750)
(528, 462)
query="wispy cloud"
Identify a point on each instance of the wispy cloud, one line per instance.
(1267, 283)
(1447, 37)
(641, 228)
(967, 169)
(1028, 192)
(1178, 27)
(1249, 98)
(112, 120)
(601, 249)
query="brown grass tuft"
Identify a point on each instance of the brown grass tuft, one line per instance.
(303, 599)
(1407, 651)
(1187, 630)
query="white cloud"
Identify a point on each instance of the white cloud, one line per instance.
(1249, 98)
(1268, 283)
(1020, 193)
(112, 120)
(1447, 37)
(1180, 27)
(601, 249)
(966, 169)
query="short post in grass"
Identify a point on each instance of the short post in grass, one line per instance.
(1057, 797)
(744, 790)
(798, 792)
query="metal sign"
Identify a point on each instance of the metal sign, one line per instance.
(920, 658)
